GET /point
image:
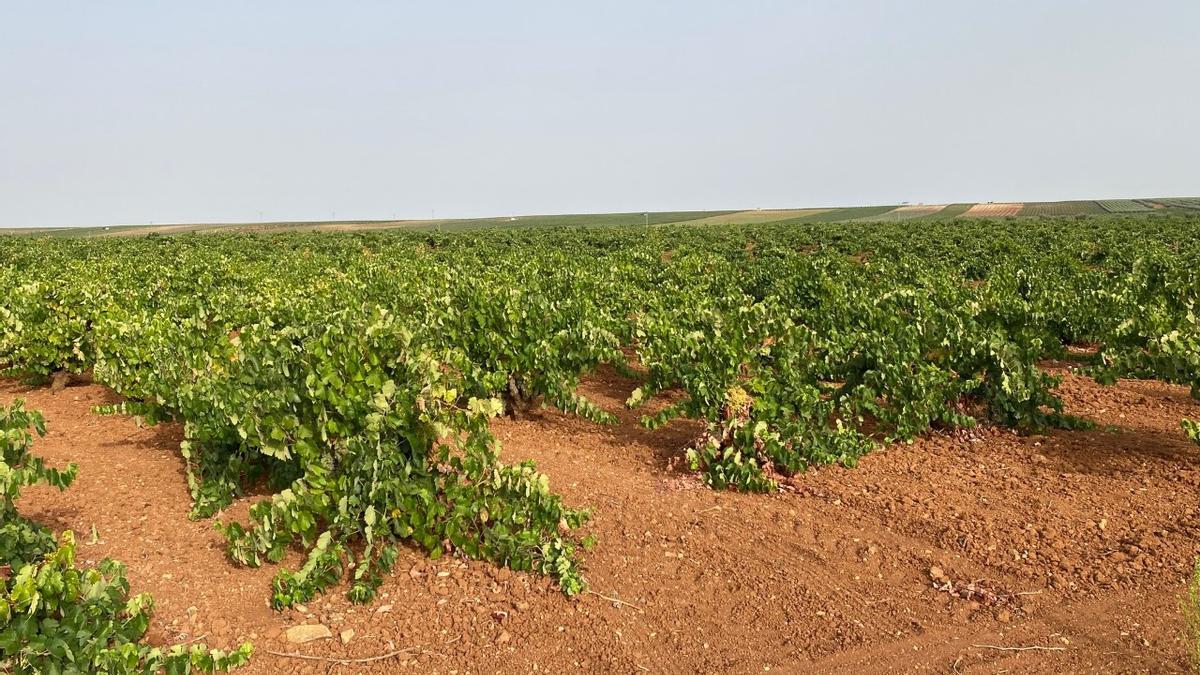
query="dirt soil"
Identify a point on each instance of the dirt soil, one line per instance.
(946, 555)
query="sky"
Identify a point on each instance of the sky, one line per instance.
(138, 112)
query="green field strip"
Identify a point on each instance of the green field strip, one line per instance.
(1071, 208)
(1180, 202)
(755, 216)
(1123, 206)
(575, 220)
(843, 214)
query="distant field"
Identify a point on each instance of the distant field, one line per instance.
(892, 213)
(901, 213)
(1181, 203)
(563, 220)
(755, 216)
(1123, 206)
(994, 210)
(950, 212)
(1061, 209)
(839, 215)
(583, 219)
(204, 228)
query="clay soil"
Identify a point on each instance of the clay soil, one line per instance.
(939, 556)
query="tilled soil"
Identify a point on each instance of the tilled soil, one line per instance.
(978, 551)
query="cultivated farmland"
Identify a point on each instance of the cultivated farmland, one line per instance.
(1123, 206)
(1185, 203)
(991, 210)
(907, 213)
(735, 448)
(1077, 208)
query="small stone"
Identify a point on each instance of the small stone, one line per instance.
(503, 638)
(1004, 616)
(300, 608)
(346, 636)
(59, 381)
(383, 609)
(308, 633)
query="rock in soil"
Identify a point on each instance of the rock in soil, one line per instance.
(308, 633)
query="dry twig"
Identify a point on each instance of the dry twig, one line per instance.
(614, 600)
(1023, 649)
(325, 659)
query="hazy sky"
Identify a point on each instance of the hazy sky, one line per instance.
(135, 112)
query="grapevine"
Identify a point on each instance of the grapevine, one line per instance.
(356, 376)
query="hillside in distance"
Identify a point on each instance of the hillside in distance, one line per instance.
(886, 213)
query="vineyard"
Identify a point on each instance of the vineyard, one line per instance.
(910, 212)
(1123, 206)
(1061, 209)
(356, 387)
(1185, 203)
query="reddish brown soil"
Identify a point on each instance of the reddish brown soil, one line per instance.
(1077, 541)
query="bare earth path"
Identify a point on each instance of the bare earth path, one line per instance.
(1078, 542)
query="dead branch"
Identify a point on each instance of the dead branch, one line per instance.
(615, 600)
(1023, 649)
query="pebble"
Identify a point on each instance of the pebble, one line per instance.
(308, 633)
